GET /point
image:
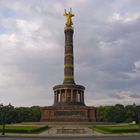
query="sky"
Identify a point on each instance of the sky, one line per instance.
(106, 50)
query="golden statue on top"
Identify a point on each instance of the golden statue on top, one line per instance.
(68, 16)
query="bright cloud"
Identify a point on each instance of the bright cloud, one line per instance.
(124, 18)
(6, 38)
(106, 49)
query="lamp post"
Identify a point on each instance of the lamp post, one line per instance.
(4, 110)
(137, 112)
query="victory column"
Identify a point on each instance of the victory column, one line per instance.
(68, 97)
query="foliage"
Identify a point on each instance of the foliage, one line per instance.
(117, 129)
(24, 129)
(117, 113)
(130, 113)
(20, 114)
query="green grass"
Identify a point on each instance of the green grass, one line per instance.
(116, 129)
(24, 128)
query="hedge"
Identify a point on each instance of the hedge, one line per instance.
(117, 129)
(24, 129)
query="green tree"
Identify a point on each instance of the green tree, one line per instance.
(137, 112)
(119, 113)
(116, 113)
(129, 113)
(100, 113)
(105, 113)
(109, 114)
(36, 113)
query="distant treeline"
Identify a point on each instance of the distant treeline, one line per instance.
(11, 114)
(117, 113)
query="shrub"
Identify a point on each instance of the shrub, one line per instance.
(24, 129)
(117, 129)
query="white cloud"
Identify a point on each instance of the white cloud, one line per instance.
(137, 65)
(124, 18)
(135, 73)
(25, 25)
(8, 38)
(106, 52)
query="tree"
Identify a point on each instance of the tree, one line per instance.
(119, 113)
(28, 114)
(129, 114)
(100, 113)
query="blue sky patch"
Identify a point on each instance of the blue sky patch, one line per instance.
(8, 12)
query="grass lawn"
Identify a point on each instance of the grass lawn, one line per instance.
(24, 128)
(116, 129)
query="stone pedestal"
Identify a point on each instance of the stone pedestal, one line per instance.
(71, 113)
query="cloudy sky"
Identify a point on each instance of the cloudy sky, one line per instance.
(106, 50)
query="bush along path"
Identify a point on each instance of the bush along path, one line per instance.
(116, 129)
(24, 129)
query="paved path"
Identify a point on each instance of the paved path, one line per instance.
(105, 138)
(54, 131)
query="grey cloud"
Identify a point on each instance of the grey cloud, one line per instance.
(104, 51)
(135, 95)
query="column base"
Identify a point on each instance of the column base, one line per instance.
(69, 114)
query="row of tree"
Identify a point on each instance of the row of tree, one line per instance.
(11, 114)
(117, 113)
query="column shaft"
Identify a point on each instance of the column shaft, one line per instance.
(68, 60)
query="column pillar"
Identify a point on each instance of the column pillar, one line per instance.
(54, 97)
(71, 95)
(61, 96)
(82, 97)
(65, 91)
(77, 96)
(58, 96)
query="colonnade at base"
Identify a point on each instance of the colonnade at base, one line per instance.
(67, 95)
